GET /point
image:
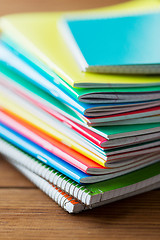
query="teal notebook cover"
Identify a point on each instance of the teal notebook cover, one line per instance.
(115, 41)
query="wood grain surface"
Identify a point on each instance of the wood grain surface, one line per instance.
(27, 213)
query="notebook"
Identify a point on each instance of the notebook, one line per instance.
(43, 122)
(54, 183)
(98, 115)
(33, 33)
(93, 42)
(104, 134)
(99, 136)
(72, 157)
(129, 163)
(68, 203)
(142, 120)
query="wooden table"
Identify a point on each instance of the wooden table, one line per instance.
(27, 213)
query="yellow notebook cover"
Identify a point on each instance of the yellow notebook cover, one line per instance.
(39, 34)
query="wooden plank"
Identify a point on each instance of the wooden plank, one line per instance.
(10, 177)
(30, 214)
(9, 6)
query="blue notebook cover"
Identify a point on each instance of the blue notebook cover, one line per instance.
(102, 43)
(41, 154)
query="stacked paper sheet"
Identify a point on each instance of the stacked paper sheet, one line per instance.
(95, 137)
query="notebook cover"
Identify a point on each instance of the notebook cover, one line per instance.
(128, 115)
(125, 180)
(94, 43)
(135, 121)
(50, 48)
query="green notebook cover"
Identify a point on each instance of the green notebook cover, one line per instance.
(125, 180)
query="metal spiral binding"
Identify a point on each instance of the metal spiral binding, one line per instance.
(82, 192)
(59, 176)
(75, 187)
(66, 182)
(47, 173)
(57, 195)
(62, 181)
(65, 200)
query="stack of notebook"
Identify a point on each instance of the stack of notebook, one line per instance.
(80, 101)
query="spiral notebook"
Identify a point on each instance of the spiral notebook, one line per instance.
(74, 197)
